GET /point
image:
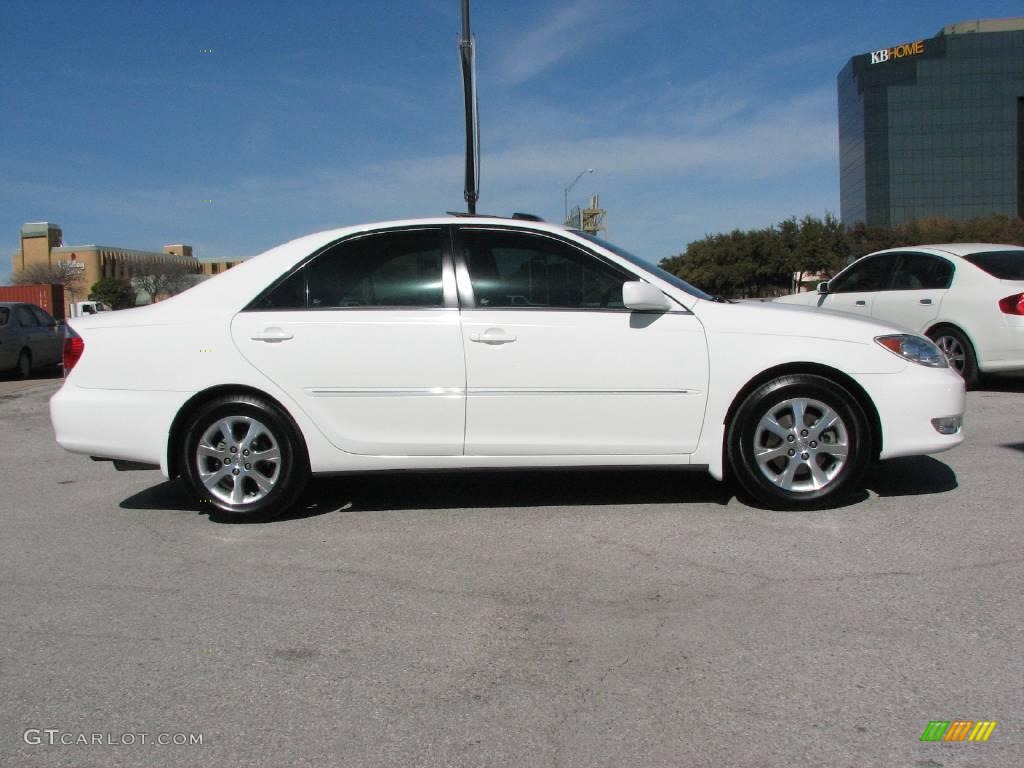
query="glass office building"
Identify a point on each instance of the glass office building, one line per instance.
(934, 127)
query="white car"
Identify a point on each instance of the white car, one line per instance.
(468, 342)
(967, 297)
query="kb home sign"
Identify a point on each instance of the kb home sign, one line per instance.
(899, 52)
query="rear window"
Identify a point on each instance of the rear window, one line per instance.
(1004, 265)
(5, 315)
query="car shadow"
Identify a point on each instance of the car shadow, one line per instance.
(1003, 382)
(412, 490)
(910, 476)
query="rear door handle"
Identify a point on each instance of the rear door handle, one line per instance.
(492, 336)
(926, 301)
(273, 335)
(861, 303)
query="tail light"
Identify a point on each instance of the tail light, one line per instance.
(74, 346)
(1013, 305)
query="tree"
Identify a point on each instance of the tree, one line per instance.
(69, 274)
(118, 293)
(164, 279)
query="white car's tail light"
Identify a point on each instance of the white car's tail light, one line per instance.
(1013, 305)
(74, 346)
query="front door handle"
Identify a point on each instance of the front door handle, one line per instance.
(273, 335)
(926, 301)
(861, 303)
(492, 336)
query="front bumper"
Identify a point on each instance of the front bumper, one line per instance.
(907, 403)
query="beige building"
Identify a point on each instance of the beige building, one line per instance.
(43, 243)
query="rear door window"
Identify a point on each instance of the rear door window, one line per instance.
(44, 317)
(1003, 265)
(25, 317)
(920, 271)
(394, 269)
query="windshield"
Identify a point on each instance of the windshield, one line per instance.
(1003, 265)
(654, 269)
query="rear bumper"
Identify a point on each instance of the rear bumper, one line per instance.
(115, 423)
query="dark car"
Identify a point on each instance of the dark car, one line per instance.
(29, 338)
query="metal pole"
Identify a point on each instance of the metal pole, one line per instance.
(466, 55)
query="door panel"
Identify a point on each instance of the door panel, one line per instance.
(598, 383)
(555, 363)
(366, 338)
(375, 382)
(919, 285)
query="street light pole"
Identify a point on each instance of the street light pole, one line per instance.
(565, 218)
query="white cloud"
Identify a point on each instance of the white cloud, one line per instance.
(561, 33)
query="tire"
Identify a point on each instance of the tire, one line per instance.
(238, 490)
(959, 352)
(813, 473)
(24, 368)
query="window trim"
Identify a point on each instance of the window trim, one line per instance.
(448, 282)
(467, 296)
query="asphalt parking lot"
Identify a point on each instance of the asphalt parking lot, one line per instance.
(512, 619)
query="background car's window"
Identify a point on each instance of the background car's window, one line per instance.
(1003, 265)
(872, 274)
(515, 269)
(43, 316)
(5, 314)
(25, 317)
(917, 271)
(395, 269)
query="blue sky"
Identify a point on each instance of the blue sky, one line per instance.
(697, 117)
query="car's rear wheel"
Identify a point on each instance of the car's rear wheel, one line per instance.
(798, 442)
(958, 351)
(244, 458)
(24, 368)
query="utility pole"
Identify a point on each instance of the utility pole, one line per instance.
(467, 57)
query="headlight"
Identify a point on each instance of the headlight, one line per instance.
(916, 349)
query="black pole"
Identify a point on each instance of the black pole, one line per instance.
(470, 192)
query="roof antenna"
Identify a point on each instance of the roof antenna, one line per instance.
(467, 56)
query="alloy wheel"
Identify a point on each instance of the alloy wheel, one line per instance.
(954, 352)
(238, 459)
(801, 445)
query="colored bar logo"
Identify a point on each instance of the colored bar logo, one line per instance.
(958, 730)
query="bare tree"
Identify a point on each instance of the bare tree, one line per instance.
(164, 279)
(69, 274)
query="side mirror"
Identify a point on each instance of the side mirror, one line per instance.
(823, 288)
(639, 295)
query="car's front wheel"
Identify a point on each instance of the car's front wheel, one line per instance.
(798, 442)
(244, 458)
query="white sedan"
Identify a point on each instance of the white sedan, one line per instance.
(469, 342)
(967, 297)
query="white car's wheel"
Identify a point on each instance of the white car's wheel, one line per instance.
(798, 442)
(244, 458)
(958, 351)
